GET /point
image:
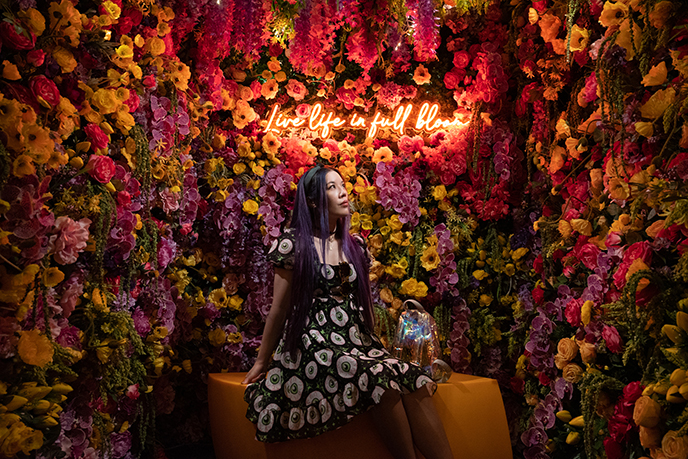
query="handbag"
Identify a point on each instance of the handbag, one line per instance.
(416, 341)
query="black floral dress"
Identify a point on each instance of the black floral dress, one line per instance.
(338, 371)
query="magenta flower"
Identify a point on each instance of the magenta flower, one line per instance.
(70, 239)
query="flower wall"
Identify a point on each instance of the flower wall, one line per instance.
(545, 229)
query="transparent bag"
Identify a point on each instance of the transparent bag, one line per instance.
(416, 341)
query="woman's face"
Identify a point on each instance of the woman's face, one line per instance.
(337, 197)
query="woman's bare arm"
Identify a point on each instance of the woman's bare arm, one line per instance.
(274, 324)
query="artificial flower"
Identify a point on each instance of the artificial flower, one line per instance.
(656, 76)
(421, 75)
(658, 103)
(613, 13)
(35, 348)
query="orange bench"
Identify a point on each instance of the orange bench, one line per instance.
(470, 407)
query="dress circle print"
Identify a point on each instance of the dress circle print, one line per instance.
(340, 368)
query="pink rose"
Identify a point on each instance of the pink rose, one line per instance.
(97, 137)
(296, 90)
(44, 90)
(612, 338)
(462, 59)
(71, 238)
(588, 255)
(303, 111)
(132, 102)
(16, 36)
(101, 168)
(35, 57)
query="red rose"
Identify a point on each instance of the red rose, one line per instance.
(587, 254)
(573, 312)
(97, 137)
(538, 295)
(44, 90)
(149, 81)
(36, 57)
(101, 168)
(16, 36)
(613, 449)
(462, 59)
(538, 264)
(452, 79)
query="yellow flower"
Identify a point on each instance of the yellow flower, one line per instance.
(217, 337)
(180, 76)
(271, 143)
(398, 269)
(625, 35)
(10, 71)
(613, 13)
(105, 100)
(519, 253)
(397, 237)
(250, 207)
(412, 287)
(656, 76)
(421, 75)
(34, 20)
(386, 295)
(581, 225)
(38, 143)
(243, 114)
(52, 277)
(383, 154)
(218, 297)
(155, 46)
(35, 348)
(480, 274)
(579, 38)
(394, 223)
(64, 58)
(644, 128)
(125, 52)
(235, 302)
(23, 166)
(430, 259)
(112, 9)
(485, 300)
(658, 103)
(564, 228)
(586, 312)
(439, 192)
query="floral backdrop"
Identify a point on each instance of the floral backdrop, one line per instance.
(547, 231)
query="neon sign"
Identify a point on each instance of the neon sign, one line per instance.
(322, 122)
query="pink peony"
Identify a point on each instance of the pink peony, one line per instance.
(97, 137)
(35, 57)
(71, 238)
(44, 90)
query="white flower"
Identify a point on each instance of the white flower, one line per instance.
(293, 388)
(266, 418)
(285, 246)
(306, 341)
(314, 398)
(321, 318)
(354, 336)
(423, 380)
(317, 336)
(377, 394)
(363, 382)
(324, 357)
(375, 369)
(338, 402)
(296, 419)
(289, 363)
(325, 410)
(311, 370)
(331, 384)
(337, 339)
(339, 316)
(273, 379)
(346, 366)
(313, 415)
(375, 353)
(258, 403)
(350, 394)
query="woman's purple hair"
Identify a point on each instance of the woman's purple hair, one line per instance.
(310, 217)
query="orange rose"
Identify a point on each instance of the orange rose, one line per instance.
(646, 412)
(573, 373)
(587, 351)
(567, 348)
(650, 437)
(675, 447)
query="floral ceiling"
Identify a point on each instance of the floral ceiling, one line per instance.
(518, 167)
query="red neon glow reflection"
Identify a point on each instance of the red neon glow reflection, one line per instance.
(324, 122)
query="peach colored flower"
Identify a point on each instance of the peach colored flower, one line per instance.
(269, 89)
(650, 437)
(567, 348)
(550, 25)
(296, 90)
(675, 447)
(421, 75)
(646, 412)
(587, 351)
(572, 373)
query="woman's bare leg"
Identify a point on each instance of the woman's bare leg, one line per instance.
(390, 419)
(426, 426)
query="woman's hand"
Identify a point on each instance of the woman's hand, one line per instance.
(256, 373)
